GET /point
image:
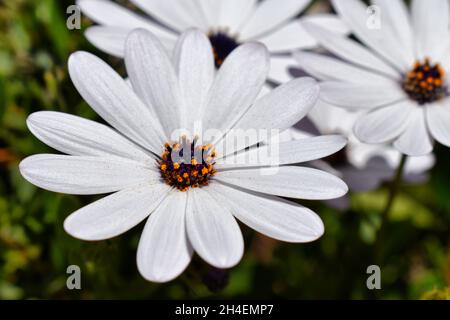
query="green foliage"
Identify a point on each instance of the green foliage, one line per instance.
(35, 251)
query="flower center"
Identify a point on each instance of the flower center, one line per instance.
(222, 45)
(339, 158)
(185, 165)
(425, 83)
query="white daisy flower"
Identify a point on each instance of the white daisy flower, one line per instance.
(227, 23)
(397, 75)
(190, 204)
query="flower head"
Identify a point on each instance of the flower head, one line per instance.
(188, 186)
(226, 23)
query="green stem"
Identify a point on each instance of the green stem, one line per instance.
(393, 191)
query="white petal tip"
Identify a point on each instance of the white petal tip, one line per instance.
(257, 48)
(341, 141)
(339, 190)
(413, 153)
(77, 232)
(35, 119)
(92, 32)
(137, 35)
(24, 168)
(225, 261)
(317, 231)
(158, 276)
(78, 57)
(344, 189)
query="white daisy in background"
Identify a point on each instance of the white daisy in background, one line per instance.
(364, 167)
(190, 204)
(397, 75)
(227, 23)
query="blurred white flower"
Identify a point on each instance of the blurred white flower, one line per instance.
(227, 23)
(396, 75)
(190, 204)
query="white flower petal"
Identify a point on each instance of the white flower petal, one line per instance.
(287, 38)
(295, 99)
(111, 14)
(292, 182)
(212, 230)
(418, 165)
(108, 39)
(85, 175)
(269, 14)
(114, 100)
(360, 96)
(415, 140)
(81, 137)
(233, 13)
(438, 119)
(384, 124)
(153, 77)
(236, 86)
(116, 213)
(328, 22)
(328, 68)
(350, 50)
(195, 67)
(289, 152)
(381, 40)
(275, 217)
(164, 250)
(431, 26)
(177, 14)
(279, 68)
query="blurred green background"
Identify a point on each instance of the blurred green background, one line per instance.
(35, 251)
